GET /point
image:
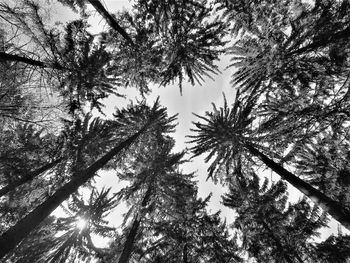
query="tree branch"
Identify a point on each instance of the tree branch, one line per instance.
(110, 20)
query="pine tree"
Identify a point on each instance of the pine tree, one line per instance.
(74, 65)
(190, 235)
(227, 134)
(334, 249)
(154, 180)
(324, 164)
(271, 230)
(150, 117)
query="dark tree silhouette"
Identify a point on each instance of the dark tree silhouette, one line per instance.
(156, 116)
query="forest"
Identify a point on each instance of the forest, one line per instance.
(289, 68)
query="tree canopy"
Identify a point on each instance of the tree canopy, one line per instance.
(289, 66)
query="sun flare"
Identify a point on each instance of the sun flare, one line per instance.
(81, 223)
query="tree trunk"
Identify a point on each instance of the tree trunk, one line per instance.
(9, 57)
(28, 177)
(37, 63)
(130, 240)
(336, 210)
(184, 254)
(18, 232)
(110, 20)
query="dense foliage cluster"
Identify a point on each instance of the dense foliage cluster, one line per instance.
(290, 66)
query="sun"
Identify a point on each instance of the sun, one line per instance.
(81, 223)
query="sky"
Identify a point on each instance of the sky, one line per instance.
(194, 99)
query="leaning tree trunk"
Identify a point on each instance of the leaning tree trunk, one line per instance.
(9, 57)
(28, 177)
(130, 240)
(110, 20)
(336, 210)
(29, 61)
(11, 238)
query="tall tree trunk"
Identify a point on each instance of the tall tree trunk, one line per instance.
(18, 232)
(130, 240)
(28, 177)
(336, 210)
(110, 20)
(37, 63)
(9, 57)
(184, 254)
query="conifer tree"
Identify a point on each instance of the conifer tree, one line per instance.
(272, 230)
(148, 116)
(227, 134)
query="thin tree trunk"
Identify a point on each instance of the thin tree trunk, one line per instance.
(9, 57)
(11, 238)
(28, 177)
(184, 254)
(37, 63)
(110, 20)
(336, 210)
(130, 240)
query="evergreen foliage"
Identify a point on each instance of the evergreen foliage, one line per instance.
(290, 68)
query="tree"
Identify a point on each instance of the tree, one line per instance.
(324, 165)
(155, 182)
(171, 39)
(156, 116)
(71, 236)
(291, 65)
(249, 17)
(76, 65)
(32, 247)
(226, 133)
(80, 142)
(334, 249)
(190, 235)
(290, 47)
(110, 20)
(271, 230)
(26, 146)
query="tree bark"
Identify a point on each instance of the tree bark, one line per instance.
(130, 240)
(37, 63)
(11, 238)
(110, 20)
(336, 210)
(28, 177)
(184, 254)
(9, 57)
